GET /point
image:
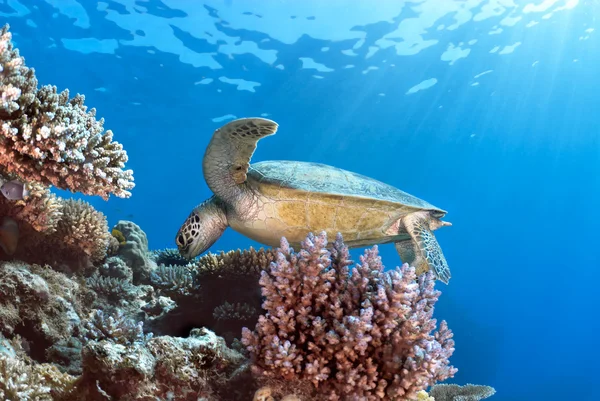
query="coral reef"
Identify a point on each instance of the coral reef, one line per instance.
(47, 138)
(77, 239)
(116, 327)
(197, 367)
(40, 304)
(21, 379)
(365, 335)
(92, 314)
(219, 280)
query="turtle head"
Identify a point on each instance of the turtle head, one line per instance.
(202, 228)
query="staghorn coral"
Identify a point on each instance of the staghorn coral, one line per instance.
(50, 139)
(365, 335)
(114, 327)
(454, 392)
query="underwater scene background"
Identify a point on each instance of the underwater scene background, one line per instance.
(485, 108)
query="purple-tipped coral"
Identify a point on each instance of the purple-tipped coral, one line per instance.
(364, 334)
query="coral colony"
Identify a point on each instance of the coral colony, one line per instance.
(90, 313)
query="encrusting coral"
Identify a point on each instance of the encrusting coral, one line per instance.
(47, 138)
(365, 335)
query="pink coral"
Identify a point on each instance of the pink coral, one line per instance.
(364, 334)
(48, 138)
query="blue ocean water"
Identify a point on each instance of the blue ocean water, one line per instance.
(485, 108)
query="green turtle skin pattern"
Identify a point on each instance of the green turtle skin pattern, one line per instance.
(268, 200)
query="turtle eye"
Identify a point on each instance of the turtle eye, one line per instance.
(180, 239)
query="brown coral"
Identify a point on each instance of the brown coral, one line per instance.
(41, 210)
(235, 263)
(84, 227)
(78, 239)
(53, 140)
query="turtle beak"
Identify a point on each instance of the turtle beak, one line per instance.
(434, 224)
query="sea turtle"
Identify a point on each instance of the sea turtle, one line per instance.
(272, 199)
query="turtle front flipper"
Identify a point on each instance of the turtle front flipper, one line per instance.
(423, 251)
(228, 154)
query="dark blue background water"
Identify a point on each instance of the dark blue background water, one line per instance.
(515, 159)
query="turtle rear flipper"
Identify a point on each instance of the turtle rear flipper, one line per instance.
(228, 154)
(423, 251)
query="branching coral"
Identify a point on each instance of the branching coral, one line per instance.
(19, 382)
(235, 263)
(23, 380)
(115, 327)
(365, 335)
(48, 138)
(84, 228)
(237, 311)
(41, 210)
(174, 281)
(230, 277)
(116, 267)
(112, 287)
(79, 237)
